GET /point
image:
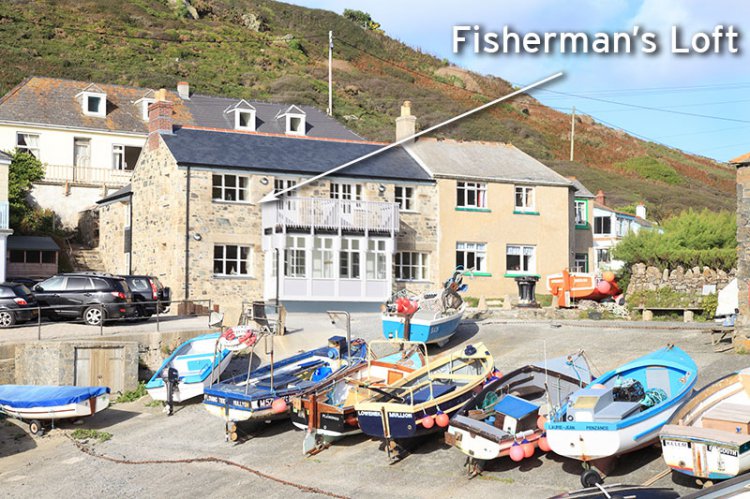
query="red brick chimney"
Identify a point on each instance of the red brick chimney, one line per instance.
(160, 118)
(600, 197)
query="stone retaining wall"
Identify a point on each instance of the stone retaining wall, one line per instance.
(691, 281)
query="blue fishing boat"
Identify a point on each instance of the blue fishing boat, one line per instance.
(622, 410)
(265, 393)
(428, 318)
(40, 405)
(198, 362)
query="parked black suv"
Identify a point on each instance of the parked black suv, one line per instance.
(16, 304)
(85, 295)
(147, 291)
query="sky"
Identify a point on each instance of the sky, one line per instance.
(714, 86)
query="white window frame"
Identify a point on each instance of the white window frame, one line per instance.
(115, 155)
(323, 258)
(376, 260)
(237, 260)
(145, 102)
(295, 257)
(522, 252)
(405, 197)
(479, 251)
(584, 220)
(416, 265)
(280, 184)
(526, 192)
(300, 130)
(476, 189)
(350, 261)
(607, 252)
(577, 267)
(101, 112)
(34, 151)
(603, 217)
(239, 191)
(346, 191)
(250, 127)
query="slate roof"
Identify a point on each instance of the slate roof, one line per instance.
(581, 191)
(296, 155)
(4, 158)
(52, 101)
(41, 243)
(483, 160)
(115, 196)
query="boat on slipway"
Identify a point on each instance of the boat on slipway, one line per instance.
(709, 435)
(622, 410)
(40, 405)
(326, 411)
(264, 393)
(196, 364)
(423, 401)
(507, 417)
(431, 317)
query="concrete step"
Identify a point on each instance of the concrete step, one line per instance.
(86, 259)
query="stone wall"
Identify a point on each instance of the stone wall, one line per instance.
(650, 278)
(111, 237)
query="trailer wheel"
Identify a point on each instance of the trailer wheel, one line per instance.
(36, 428)
(590, 478)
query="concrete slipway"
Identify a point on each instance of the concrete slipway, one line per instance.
(54, 466)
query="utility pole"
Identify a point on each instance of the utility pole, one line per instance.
(330, 73)
(572, 132)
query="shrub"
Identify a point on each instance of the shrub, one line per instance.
(25, 169)
(363, 19)
(132, 395)
(652, 169)
(692, 238)
(86, 434)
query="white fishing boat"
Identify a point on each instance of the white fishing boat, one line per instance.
(708, 437)
(622, 410)
(38, 404)
(199, 363)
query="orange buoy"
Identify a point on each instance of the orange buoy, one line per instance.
(540, 422)
(516, 452)
(609, 276)
(544, 444)
(428, 422)
(278, 406)
(442, 420)
(528, 448)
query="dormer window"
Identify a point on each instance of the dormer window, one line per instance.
(93, 101)
(144, 107)
(244, 115)
(294, 120)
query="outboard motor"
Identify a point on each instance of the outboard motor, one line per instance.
(170, 376)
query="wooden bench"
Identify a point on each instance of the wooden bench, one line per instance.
(719, 334)
(688, 313)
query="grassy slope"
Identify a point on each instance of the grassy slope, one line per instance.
(368, 90)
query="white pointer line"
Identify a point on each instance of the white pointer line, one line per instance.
(271, 196)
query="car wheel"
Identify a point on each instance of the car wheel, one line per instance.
(7, 318)
(93, 316)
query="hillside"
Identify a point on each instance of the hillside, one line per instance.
(266, 50)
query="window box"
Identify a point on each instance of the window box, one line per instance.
(517, 212)
(479, 210)
(478, 274)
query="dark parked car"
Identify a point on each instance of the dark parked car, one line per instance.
(16, 304)
(90, 296)
(148, 291)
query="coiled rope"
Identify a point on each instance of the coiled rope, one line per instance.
(206, 459)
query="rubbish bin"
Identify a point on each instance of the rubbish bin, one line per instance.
(526, 291)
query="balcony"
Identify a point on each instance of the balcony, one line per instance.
(90, 176)
(310, 214)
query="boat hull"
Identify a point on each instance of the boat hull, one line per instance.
(188, 390)
(80, 409)
(421, 330)
(704, 458)
(485, 449)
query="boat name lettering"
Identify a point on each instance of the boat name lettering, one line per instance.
(328, 416)
(676, 443)
(240, 403)
(723, 450)
(400, 415)
(372, 414)
(596, 427)
(214, 399)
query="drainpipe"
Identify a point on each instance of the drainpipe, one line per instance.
(187, 234)
(278, 264)
(130, 218)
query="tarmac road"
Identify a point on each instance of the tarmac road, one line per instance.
(52, 466)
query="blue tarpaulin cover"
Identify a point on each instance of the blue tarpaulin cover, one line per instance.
(515, 407)
(25, 396)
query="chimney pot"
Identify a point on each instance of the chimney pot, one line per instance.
(160, 118)
(600, 197)
(640, 211)
(406, 124)
(183, 90)
(406, 108)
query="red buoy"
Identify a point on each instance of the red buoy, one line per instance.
(442, 420)
(544, 444)
(428, 422)
(540, 422)
(516, 452)
(278, 406)
(528, 448)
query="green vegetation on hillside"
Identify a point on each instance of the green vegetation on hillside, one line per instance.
(266, 50)
(651, 169)
(692, 238)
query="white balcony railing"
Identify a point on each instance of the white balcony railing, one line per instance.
(86, 175)
(331, 214)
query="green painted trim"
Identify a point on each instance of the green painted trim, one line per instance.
(516, 212)
(508, 274)
(479, 274)
(584, 227)
(587, 225)
(481, 210)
